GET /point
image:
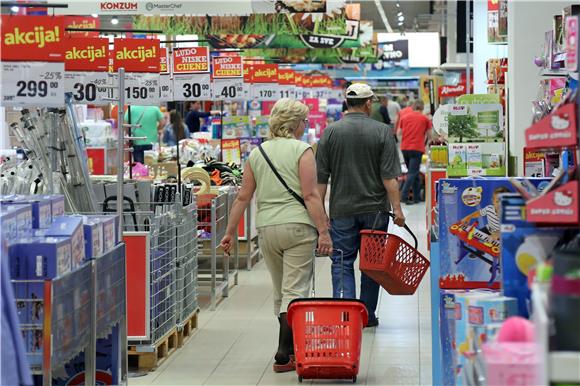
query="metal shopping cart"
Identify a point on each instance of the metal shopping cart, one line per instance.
(327, 334)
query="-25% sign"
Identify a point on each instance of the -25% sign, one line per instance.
(142, 88)
(32, 83)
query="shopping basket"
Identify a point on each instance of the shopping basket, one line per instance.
(327, 335)
(391, 261)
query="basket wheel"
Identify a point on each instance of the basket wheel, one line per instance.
(354, 379)
(300, 378)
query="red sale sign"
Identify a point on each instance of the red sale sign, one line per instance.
(227, 67)
(83, 22)
(137, 55)
(286, 76)
(264, 73)
(193, 60)
(32, 38)
(163, 66)
(86, 54)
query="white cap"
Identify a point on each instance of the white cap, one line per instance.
(359, 90)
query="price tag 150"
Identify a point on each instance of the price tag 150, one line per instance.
(165, 88)
(32, 84)
(142, 89)
(228, 89)
(191, 86)
(85, 89)
(265, 92)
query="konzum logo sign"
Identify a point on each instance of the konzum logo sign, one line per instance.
(119, 6)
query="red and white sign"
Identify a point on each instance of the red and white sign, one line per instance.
(163, 61)
(572, 43)
(83, 22)
(452, 91)
(559, 206)
(193, 60)
(264, 73)
(224, 67)
(86, 54)
(286, 76)
(137, 55)
(32, 38)
(556, 130)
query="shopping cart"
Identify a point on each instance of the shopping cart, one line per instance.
(327, 334)
(391, 261)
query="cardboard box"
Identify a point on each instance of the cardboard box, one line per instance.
(8, 225)
(70, 226)
(56, 202)
(41, 210)
(110, 234)
(23, 218)
(93, 231)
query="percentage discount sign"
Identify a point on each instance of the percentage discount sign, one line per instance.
(32, 57)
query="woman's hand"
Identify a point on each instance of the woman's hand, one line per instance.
(324, 244)
(227, 243)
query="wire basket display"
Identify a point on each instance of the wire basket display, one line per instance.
(186, 265)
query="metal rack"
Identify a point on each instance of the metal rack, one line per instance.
(186, 265)
(212, 223)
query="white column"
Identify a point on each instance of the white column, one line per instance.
(528, 21)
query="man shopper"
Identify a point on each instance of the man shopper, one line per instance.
(380, 112)
(360, 157)
(195, 114)
(414, 131)
(151, 121)
(393, 108)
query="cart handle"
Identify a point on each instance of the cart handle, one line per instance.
(391, 215)
(314, 256)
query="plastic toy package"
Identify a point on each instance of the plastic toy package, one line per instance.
(469, 224)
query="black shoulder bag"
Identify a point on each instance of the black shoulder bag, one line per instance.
(288, 189)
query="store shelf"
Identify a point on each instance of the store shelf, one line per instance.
(564, 366)
(558, 73)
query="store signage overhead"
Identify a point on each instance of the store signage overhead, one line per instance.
(82, 22)
(163, 61)
(396, 51)
(224, 67)
(193, 60)
(265, 82)
(137, 55)
(86, 54)
(32, 38)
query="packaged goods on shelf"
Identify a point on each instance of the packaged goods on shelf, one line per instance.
(72, 227)
(22, 215)
(41, 209)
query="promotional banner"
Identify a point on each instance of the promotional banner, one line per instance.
(287, 82)
(321, 56)
(82, 22)
(396, 51)
(137, 55)
(163, 61)
(227, 67)
(231, 152)
(32, 55)
(265, 82)
(193, 60)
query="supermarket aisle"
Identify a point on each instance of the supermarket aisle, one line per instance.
(235, 344)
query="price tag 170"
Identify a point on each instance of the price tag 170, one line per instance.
(228, 89)
(85, 89)
(165, 88)
(32, 83)
(265, 92)
(191, 86)
(142, 88)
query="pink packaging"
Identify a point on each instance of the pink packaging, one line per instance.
(512, 364)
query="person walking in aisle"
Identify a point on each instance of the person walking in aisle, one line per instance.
(195, 114)
(380, 112)
(176, 130)
(290, 217)
(359, 156)
(394, 108)
(152, 121)
(414, 131)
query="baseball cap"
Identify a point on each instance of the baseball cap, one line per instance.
(360, 90)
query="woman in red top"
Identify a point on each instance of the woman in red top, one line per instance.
(414, 130)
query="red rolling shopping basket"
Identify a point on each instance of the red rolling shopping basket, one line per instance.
(392, 262)
(327, 335)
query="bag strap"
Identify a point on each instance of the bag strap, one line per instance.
(288, 189)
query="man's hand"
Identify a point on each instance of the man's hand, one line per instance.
(399, 217)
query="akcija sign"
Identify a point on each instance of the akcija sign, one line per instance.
(86, 54)
(264, 73)
(396, 51)
(32, 38)
(191, 60)
(137, 55)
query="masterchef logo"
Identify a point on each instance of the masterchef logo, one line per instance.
(451, 91)
(119, 6)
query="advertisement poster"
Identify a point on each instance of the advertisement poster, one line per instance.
(137, 55)
(367, 54)
(395, 52)
(236, 127)
(482, 122)
(231, 152)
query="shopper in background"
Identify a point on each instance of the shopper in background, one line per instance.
(195, 114)
(380, 112)
(414, 131)
(287, 226)
(394, 108)
(176, 130)
(151, 121)
(359, 156)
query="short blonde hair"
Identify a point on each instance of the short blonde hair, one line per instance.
(285, 117)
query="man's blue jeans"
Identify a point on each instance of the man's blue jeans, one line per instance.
(345, 232)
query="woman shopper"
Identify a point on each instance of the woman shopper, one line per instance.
(176, 130)
(287, 221)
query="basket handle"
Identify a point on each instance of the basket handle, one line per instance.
(391, 215)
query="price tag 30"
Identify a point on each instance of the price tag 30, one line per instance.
(85, 89)
(33, 84)
(228, 89)
(142, 89)
(191, 86)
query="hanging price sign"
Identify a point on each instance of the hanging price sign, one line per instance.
(264, 82)
(32, 83)
(191, 86)
(286, 83)
(165, 88)
(84, 87)
(228, 89)
(141, 89)
(192, 60)
(287, 92)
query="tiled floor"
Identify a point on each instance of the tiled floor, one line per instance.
(235, 344)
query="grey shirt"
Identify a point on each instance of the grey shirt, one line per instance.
(359, 153)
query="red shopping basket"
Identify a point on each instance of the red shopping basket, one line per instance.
(392, 262)
(327, 336)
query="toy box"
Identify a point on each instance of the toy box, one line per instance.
(8, 225)
(447, 319)
(56, 203)
(93, 231)
(484, 315)
(23, 215)
(523, 246)
(41, 209)
(110, 225)
(70, 226)
(469, 227)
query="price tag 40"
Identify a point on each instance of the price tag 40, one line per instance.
(228, 89)
(32, 83)
(191, 86)
(85, 89)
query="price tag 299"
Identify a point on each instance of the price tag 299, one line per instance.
(228, 89)
(191, 86)
(32, 83)
(142, 88)
(84, 87)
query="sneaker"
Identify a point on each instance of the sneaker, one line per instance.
(372, 323)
